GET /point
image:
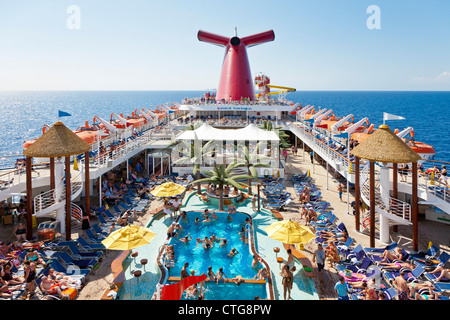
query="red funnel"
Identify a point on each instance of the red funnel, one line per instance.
(236, 80)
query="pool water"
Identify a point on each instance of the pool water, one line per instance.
(231, 291)
(200, 259)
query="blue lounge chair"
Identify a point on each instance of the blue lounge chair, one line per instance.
(77, 252)
(92, 237)
(71, 271)
(433, 263)
(442, 286)
(433, 276)
(376, 258)
(389, 247)
(98, 230)
(410, 276)
(360, 267)
(81, 263)
(431, 253)
(324, 223)
(391, 293)
(90, 246)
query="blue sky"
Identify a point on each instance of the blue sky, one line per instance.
(152, 45)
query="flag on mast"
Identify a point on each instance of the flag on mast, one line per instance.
(388, 116)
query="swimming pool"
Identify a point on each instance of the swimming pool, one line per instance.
(231, 291)
(200, 259)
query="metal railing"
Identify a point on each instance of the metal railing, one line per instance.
(49, 198)
(395, 207)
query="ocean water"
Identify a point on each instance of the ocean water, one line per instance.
(23, 114)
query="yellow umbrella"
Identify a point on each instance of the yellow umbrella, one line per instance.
(168, 189)
(290, 232)
(128, 238)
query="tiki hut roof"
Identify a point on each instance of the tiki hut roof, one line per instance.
(58, 141)
(384, 146)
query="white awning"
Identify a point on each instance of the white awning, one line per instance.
(249, 133)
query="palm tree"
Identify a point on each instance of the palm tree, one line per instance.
(194, 157)
(267, 125)
(252, 161)
(222, 176)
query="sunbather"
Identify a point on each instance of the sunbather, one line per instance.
(392, 256)
(445, 273)
(332, 253)
(427, 295)
(414, 287)
(395, 265)
(52, 287)
(368, 293)
(34, 256)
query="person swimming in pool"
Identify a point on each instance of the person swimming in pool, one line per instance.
(232, 253)
(220, 276)
(224, 242)
(187, 238)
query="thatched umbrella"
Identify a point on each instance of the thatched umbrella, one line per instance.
(58, 141)
(385, 146)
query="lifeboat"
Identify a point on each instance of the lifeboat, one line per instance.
(88, 133)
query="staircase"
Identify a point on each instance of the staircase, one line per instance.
(398, 212)
(48, 202)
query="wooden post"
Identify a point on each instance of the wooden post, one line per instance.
(87, 192)
(414, 209)
(357, 195)
(29, 199)
(52, 173)
(395, 188)
(68, 200)
(372, 203)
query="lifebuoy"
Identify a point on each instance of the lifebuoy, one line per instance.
(276, 174)
(366, 222)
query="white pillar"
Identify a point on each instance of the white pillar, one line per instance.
(384, 192)
(61, 218)
(59, 179)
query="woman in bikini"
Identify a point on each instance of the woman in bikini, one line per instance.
(220, 276)
(287, 281)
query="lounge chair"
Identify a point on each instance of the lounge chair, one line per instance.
(90, 246)
(359, 267)
(77, 252)
(98, 230)
(92, 237)
(391, 293)
(432, 263)
(82, 263)
(410, 276)
(376, 258)
(71, 271)
(431, 253)
(443, 286)
(433, 276)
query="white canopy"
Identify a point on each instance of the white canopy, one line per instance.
(250, 133)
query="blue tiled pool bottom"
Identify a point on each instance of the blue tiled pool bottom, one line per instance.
(200, 259)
